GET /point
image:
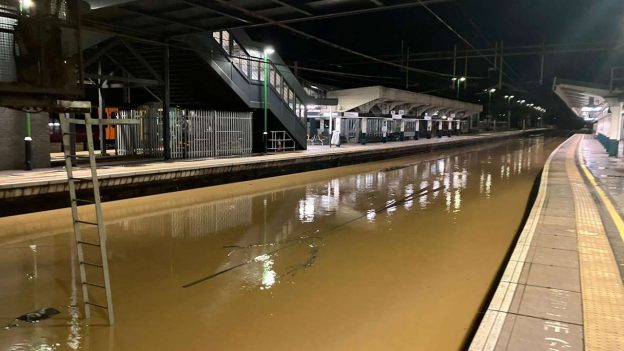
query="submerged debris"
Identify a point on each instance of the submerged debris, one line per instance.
(38, 315)
(33, 317)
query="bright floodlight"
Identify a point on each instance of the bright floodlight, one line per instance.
(462, 79)
(454, 79)
(269, 50)
(506, 96)
(511, 97)
(492, 90)
(27, 4)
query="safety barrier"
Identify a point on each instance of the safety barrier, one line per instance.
(193, 133)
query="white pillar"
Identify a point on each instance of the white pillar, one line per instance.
(616, 121)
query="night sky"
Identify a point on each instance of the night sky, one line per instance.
(482, 23)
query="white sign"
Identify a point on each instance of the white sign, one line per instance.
(351, 114)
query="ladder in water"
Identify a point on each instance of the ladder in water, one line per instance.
(86, 265)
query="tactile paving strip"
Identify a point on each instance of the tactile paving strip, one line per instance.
(601, 286)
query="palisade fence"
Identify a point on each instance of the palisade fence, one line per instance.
(193, 133)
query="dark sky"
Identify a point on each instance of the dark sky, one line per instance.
(482, 22)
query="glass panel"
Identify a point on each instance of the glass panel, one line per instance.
(285, 93)
(217, 36)
(244, 66)
(255, 67)
(291, 99)
(272, 77)
(225, 43)
(278, 84)
(236, 53)
(261, 71)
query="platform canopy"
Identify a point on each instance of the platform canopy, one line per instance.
(378, 99)
(167, 19)
(586, 100)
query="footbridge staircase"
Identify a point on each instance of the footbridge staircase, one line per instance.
(239, 62)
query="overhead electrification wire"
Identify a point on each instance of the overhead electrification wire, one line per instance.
(441, 20)
(331, 44)
(463, 12)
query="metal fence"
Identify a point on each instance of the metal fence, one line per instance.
(193, 133)
(232, 133)
(145, 138)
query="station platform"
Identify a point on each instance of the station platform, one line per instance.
(17, 188)
(562, 287)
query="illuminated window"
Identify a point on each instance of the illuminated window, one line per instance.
(225, 42)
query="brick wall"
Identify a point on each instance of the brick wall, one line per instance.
(12, 133)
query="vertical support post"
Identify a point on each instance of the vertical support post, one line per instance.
(72, 141)
(509, 114)
(500, 72)
(455, 61)
(28, 144)
(495, 55)
(331, 135)
(541, 79)
(417, 128)
(77, 7)
(265, 59)
(407, 69)
(101, 112)
(363, 128)
(615, 133)
(166, 104)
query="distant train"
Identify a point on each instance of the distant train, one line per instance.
(110, 133)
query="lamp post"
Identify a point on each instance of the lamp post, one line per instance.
(265, 57)
(509, 98)
(490, 92)
(521, 102)
(457, 83)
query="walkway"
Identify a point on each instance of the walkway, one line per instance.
(561, 289)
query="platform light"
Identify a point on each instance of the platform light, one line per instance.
(592, 108)
(462, 79)
(27, 4)
(269, 50)
(492, 90)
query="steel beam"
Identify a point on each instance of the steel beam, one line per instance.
(137, 81)
(204, 6)
(139, 57)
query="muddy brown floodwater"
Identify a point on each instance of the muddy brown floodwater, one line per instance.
(395, 255)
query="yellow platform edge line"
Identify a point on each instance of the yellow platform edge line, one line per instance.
(613, 213)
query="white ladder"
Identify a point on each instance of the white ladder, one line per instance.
(78, 223)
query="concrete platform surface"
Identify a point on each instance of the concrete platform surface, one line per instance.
(16, 184)
(561, 289)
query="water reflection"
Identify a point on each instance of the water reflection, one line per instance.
(292, 215)
(296, 252)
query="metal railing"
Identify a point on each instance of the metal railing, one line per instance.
(280, 141)
(193, 133)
